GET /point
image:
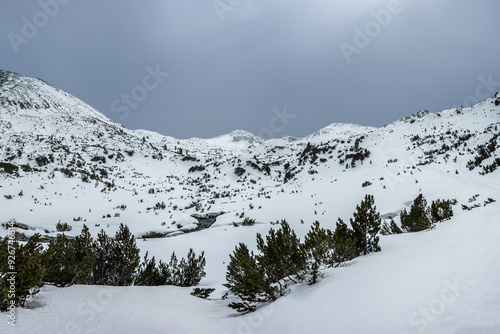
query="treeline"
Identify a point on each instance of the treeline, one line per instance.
(282, 258)
(421, 216)
(24, 269)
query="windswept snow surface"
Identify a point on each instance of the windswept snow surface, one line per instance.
(78, 167)
(441, 281)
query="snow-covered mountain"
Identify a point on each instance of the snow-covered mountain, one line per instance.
(63, 161)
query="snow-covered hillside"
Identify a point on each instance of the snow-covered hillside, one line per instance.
(63, 161)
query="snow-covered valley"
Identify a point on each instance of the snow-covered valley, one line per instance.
(63, 161)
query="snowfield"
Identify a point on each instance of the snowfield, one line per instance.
(76, 166)
(440, 281)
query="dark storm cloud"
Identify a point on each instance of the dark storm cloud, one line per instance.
(234, 64)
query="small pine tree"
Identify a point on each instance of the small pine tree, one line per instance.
(172, 271)
(366, 225)
(395, 229)
(391, 228)
(247, 280)
(70, 261)
(317, 246)
(149, 273)
(104, 261)
(418, 217)
(440, 210)
(125, 255)
(191, 271)
(28, 268)
(281, 255)
(344, 243)
(385, 229)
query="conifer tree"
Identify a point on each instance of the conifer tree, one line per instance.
(149, 273)
(418, 217)
(125, 255)
(344, 243)
(187, 272)
(70, 261)
(172, 271)
(317, 246)
(105, 259)
(191, 271)
(281, 254)
(440, 210)
(391, 228)
(247, 280)
(28, 270)
(395, 229)
(366, 225)
(86, 255)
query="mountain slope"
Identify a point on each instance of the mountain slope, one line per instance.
(56, 141)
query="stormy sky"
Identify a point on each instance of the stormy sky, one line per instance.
(202, 68)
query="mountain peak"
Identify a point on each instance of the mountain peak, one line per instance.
(237, 136)
(26, 96)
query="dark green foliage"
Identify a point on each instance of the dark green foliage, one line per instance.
(239, 171)
(8, 167)
(118, 258)
(318, 249)
(395, 229)
(248, 222)
(281, 254)
(366, 225)
(196, 169)
(190, 271)
(126, 257)
(26, 262)
(70, 261)
(98, 158)
(63, 227)
(153, 234)
(189, 158)
(104, 261)
(418, 217)
(67, 172)
(484, 152)
(160, 206)
(42, 161)
(187, 272)
(203, 293)
(441, 210)
(391, 228)
(310, 154)
(150, 274)
(248, 280)
(344, 244)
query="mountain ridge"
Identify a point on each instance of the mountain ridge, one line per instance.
(37, 84)
(70, 143)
